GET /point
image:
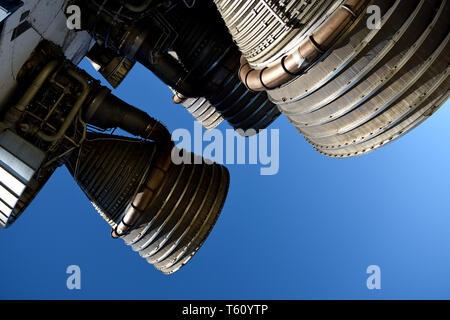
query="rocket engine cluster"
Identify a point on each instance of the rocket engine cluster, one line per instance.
(350, 75)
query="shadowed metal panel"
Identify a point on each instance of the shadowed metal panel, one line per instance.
(8, 7)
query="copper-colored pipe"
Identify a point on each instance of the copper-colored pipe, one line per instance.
(155, 177)
(178, 98)
(308, 51)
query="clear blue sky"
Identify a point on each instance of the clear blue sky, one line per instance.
(309, 232)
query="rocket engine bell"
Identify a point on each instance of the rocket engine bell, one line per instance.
(349, 81)
(164, 211)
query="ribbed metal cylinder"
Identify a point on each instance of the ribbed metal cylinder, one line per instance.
(242, 108)
(266, 30)
(181, 215)
(204, 112)
(377, 84)
(207, 50)
(178, 204)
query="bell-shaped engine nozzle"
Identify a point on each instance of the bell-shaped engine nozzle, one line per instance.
(164, 210)
(169, 212)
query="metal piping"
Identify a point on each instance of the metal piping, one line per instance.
(108, 111)
(16, 111)
(309, 50)
(349, 105)
(178, 98)
(77, 107)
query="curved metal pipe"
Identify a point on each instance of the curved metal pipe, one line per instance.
(309, 50)
(178, 98)
(16, 111)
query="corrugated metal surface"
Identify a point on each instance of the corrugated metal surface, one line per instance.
(207, 50)
(242, 108)
(178, 206)
(205, 113)
(377, 85)
(264, 30)
(19, 161)
(181, 215)
(109, 170)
